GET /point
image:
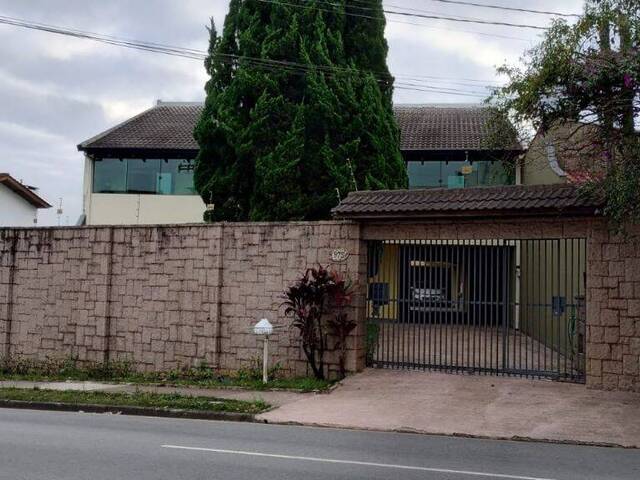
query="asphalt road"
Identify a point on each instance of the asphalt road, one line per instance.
(69, 446)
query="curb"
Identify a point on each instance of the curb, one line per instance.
(129, 410)
(410, 431)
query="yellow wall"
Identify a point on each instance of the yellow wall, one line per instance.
(388, 272)
(550, 268)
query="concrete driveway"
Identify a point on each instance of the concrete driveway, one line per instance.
(481, 406)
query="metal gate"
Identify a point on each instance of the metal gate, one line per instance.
(505, 307)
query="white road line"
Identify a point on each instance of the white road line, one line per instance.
(355, 462)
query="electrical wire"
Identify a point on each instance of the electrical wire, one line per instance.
(502, 7)
(415, 15)
(274, 65)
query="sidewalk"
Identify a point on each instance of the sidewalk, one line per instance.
(274, 398)
(479, 406)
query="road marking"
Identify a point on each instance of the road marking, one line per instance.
(355, 462)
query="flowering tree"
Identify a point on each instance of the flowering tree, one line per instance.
(586, 78)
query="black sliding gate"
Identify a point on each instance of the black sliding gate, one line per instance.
(506, 307)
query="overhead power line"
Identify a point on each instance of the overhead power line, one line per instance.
(266, 64)
(502, 7)
(413, 15)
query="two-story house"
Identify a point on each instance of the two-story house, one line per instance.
(141, 171)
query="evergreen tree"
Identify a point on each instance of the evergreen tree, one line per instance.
(281, 141)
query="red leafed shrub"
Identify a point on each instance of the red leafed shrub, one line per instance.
(317, 303)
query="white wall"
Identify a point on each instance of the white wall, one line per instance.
(15, 211)
(125, 209)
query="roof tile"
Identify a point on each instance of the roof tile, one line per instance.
(513, 199)
(422, 127)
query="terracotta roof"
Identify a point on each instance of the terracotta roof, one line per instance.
(22, 190)
(422, 127)
(478, 201)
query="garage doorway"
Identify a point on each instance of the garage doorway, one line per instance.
(504, 307)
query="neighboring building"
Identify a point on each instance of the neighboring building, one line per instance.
(141, 171)
(19, 203)
(447, 145)
(562, 155)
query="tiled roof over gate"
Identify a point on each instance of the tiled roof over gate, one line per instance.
(478, 201)
(422, 127)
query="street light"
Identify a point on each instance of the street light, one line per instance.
(264, 327)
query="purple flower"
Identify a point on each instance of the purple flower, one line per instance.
(629, 81)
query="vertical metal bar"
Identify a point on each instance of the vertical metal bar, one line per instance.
(441, 359)
(421, 325)
(460, 334)
(496, 303)
(449, 310)
(472, 289)
(482, 305)
(429, 306)
(570, 313)
(414, 327)
(391, 327)
(463, 311)
(383, 313)
(503, 317)
(559, 316)
(517, 306)
(543, 299)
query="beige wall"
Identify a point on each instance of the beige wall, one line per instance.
(164, 296)
(121, 209)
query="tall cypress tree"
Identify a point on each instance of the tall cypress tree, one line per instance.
(298, 112)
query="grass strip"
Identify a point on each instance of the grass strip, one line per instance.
(122, 372)
(137, 399)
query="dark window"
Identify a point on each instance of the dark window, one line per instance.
(176, 177)
(144, 176)
(424, 174)
(110, 175)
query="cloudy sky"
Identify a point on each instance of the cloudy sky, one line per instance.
(57, 91)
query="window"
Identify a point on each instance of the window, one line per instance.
(144, 176)
(456, 174)
(424, 174)
(176, 177)
(110, 175)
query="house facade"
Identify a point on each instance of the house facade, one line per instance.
(19, 203)
(141, 171)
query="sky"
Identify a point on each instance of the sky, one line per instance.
(56, 91)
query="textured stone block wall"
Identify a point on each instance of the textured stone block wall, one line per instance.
(163, 297)
(613, 282)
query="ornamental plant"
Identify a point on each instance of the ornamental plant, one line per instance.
(317, 304)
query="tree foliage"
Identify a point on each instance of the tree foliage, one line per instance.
(585, 78)
(285, 141)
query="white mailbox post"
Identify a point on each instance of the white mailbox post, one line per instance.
(264, 327)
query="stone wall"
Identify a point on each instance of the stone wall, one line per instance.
(613, 282)
(178, 295)
(163, 296)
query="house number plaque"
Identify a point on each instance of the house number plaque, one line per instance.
(339, 254)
